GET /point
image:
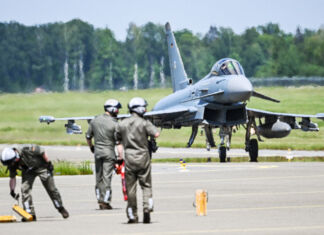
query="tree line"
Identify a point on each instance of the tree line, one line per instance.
(77, 56)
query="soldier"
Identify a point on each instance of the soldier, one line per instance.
(102, 129)
(132, 136)
(32, 161)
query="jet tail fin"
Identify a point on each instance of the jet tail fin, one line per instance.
(178, 73)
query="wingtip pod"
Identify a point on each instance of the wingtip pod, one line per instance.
(168, 27)
(320, 116)
(47, 119)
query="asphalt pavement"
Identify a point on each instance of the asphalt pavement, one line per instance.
(82, 153)
(243, 198)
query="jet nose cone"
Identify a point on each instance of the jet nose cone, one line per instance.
(239, 89)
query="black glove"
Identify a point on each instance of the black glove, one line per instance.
(50, 167)
(152, 145)
(119, 161)
(92, 149)
(14, 195)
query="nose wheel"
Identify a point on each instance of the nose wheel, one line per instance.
(225, 134)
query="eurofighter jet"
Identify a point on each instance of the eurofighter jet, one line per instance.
(216, 101)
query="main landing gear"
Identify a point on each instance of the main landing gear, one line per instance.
(251, 145)
(225, 134)
(253, 150)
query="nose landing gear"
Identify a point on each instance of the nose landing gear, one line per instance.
(225, 134)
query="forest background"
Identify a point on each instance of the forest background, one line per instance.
(77, 56)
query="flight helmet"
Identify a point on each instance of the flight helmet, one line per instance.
(112, 106)
(137, 105)
(8, 156)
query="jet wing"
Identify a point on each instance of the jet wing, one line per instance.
(50, 119)
(175, 117)
(170, 113)
(71, 126)
(262, 113)
(290, 118)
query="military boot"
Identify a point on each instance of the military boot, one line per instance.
(24, 220)
(133, 221)
(146, 216)
(64, 212)
(104, 206)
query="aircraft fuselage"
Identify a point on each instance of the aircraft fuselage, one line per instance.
(227, 89)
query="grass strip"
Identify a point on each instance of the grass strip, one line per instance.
(61, 167)
(240, 159)
(20, 112)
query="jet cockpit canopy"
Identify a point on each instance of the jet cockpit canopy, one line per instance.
(227, 66)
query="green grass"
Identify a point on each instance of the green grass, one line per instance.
(61, 168)
(70, 168)
(3, 171)
(19, 116)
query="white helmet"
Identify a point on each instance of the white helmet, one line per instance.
(112, 106)
(8, 155)
(137, 105)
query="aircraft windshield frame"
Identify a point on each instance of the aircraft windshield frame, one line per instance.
(227, 67)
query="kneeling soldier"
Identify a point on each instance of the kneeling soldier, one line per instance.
(32, 161)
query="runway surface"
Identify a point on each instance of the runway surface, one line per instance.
(243, 198)
(82, 153)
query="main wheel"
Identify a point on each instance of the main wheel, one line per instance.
(253, 150)
(222, 154)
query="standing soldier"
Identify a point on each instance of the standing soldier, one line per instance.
(102, 128)
(32, 161)
(132, 136)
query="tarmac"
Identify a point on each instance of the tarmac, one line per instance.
(82, 153)
(243, 198)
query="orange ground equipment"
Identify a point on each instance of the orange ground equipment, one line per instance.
(7, 218)
(201, 202)
(120, 170)
(22, 212)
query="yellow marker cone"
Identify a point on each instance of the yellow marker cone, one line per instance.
(201, 202)
(184, 165)
(289, 155)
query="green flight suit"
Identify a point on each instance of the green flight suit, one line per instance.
(133, 133)
(102, 129)
(32, 164)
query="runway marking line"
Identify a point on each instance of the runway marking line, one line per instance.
(240, 230)
(237, 179)
(212, 210)
(191, 196)
(240, 195)
(266, 167)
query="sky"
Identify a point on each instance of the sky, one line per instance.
(195, 15)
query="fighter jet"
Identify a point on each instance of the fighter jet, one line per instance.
(216, 101)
